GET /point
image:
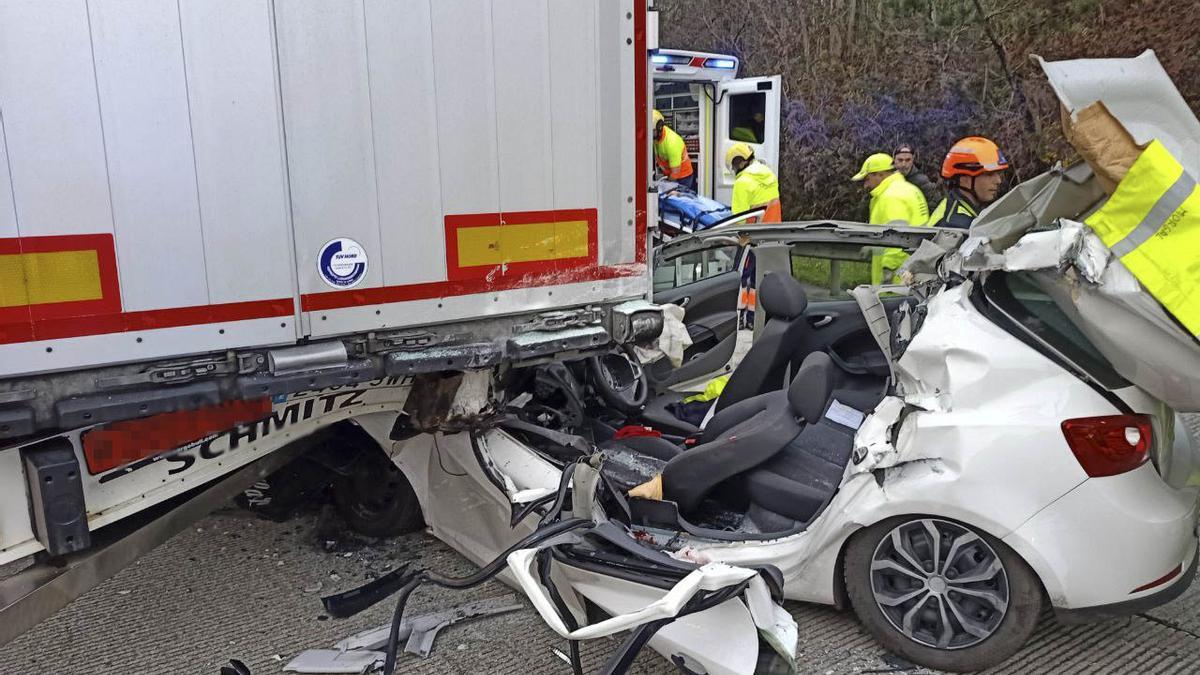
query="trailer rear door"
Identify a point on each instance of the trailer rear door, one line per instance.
(205, 175)
(458, 159)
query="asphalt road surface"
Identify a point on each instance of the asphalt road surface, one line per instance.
(240, 587)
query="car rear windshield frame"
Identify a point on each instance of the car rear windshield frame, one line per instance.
(998, 303)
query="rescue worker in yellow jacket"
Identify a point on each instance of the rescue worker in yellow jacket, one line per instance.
(893, 199)
(972, 171)
(755, 184)
(670, 152)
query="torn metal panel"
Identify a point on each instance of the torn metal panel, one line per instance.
(428, 405)
(943, 356)
(1102, 298)
(1037, 203)
(424, 629)
(1045, 250)
(474, 394)
(1132, 331)
(1138, 92)
(711, 577)
(376, 638)
(722, 640)
(873, 442)
(334, 661)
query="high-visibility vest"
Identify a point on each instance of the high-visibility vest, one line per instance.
(1152, 223)
(672, 156)
(755, 186)
(953, 211)
(895, 199)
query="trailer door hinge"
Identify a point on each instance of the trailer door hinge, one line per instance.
(187, 371)
(409, 340)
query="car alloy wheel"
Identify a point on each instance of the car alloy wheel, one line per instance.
(939, 584)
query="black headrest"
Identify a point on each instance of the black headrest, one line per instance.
(812, 387)
(782, 296)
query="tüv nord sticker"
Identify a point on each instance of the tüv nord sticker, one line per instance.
(342, 263)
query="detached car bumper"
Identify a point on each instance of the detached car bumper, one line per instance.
(1113, 545)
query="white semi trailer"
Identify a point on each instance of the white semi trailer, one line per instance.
(227, 225)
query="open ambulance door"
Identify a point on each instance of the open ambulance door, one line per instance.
(747, 111)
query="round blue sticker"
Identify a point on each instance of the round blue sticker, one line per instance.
(342, 263)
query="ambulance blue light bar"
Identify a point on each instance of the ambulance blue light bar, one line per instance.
(669, 59)
(728, 64)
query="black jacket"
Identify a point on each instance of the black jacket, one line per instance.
(922, 181)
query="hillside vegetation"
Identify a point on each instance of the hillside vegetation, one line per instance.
(860, 76)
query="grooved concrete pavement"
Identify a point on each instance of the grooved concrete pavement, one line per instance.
(241, 587)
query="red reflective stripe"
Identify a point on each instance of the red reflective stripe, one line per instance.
(113, 445)
(314, 302)
(641, 113)
(101, 324)
(1159, 581)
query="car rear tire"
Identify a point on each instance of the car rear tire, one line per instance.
(376, 499)
(940, 593)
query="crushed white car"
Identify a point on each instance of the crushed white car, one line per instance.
(1019, 450)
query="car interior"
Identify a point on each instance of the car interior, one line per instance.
(773, 453)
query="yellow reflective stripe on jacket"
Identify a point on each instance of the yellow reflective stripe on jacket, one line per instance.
(1152, 223)
(939, 214)
(1162, 211)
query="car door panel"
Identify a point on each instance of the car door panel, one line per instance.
(840, 329)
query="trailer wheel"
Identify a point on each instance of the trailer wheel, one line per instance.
(940, 593)
(376, 499)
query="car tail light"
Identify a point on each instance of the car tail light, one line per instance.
(1107, 446)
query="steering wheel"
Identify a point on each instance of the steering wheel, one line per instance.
(619, 379)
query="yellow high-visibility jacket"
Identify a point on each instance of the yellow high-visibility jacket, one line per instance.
(1152, 223)
(895, 199)
(672, 156)
(755, 186)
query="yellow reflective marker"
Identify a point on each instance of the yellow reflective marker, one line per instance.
(43, 278)
(519, 243)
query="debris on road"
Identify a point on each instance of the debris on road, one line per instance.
(420, 631)
(334, 661)
(357, 653)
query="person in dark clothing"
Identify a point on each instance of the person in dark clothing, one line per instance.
(905, 159)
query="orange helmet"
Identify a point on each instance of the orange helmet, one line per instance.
(973, 156)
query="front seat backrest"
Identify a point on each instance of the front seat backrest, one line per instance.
(771, 426)
(764, 366)
(811, 388)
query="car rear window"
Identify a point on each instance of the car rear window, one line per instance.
(1023, 300)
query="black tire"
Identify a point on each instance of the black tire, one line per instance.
(998, 630)
(376, 499)
(280, 495)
